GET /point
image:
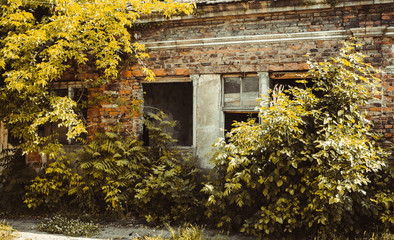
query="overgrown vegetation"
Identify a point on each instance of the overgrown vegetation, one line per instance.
(14, 176)
(170, 192)
(116, 174)
(42, 41)
(70, 227)
(311, 165)
(186, 232)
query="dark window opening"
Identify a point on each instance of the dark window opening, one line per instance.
(176, 100)
(80, 96)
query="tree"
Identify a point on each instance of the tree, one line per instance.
(42, 40)
(311, 164)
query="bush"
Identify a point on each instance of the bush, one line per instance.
(311, 165)
(112, 165)
(14, 176)
(51, 190)
(170, 192)
(70, 227)
(118, 174)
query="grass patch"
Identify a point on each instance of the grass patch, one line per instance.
(187, 232)
(7, 232)
(70, 227)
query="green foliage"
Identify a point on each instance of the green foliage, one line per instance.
(40, 41)
(170, 191)
(112, 165)
(70, 227)
(50, 191)
(311, 165)
(188, 232)
(118, 174)
(14, 176)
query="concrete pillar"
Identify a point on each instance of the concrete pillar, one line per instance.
(207, 115)
(264, 83)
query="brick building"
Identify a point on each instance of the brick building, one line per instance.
(212, 65)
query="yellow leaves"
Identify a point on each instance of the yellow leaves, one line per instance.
(279, 183)
(139, 47)
(150, 75)
(265, 191)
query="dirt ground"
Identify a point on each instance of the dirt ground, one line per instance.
(27, 230)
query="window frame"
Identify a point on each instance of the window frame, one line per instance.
(241, 109)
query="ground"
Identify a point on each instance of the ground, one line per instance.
(27, 230)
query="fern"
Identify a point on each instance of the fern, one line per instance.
(115, 165)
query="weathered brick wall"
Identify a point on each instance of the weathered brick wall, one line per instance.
(116, 104)
(267, 36)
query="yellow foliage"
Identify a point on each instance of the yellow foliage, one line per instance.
(42, 40)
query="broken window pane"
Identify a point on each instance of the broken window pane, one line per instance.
(240, 92)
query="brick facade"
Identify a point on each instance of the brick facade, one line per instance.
(269, 36)
(260, 37)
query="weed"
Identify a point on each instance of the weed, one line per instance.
(71, 227)
(7, 232)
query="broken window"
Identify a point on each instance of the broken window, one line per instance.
(239, 101)
(76, 91)
(176, 100)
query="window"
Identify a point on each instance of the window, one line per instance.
(239, 101)
(176, 100)
(77, 91)
(240, 92)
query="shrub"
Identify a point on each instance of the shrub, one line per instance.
(311, 165)
(188, 232)
(70, 227)
(14, 176)
(112, 165)
(51, 190)
(118, 174)
(170, 191)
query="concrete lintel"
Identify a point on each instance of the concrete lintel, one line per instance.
(247, 39)
(369, 31)
(269, 38)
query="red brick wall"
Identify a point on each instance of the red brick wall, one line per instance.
(118, 107)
